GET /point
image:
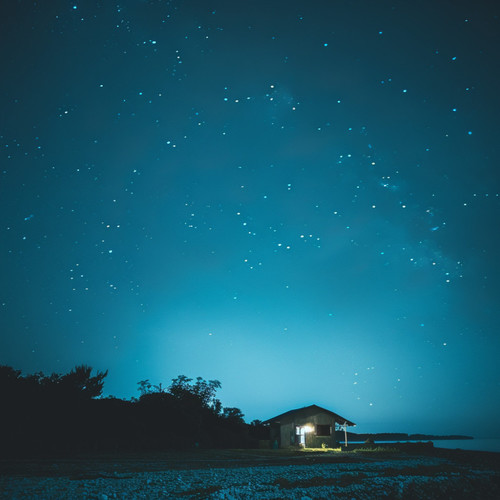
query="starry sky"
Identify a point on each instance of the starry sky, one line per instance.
(299, 199)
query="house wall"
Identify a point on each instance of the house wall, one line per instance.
(275, 436)
(287, 435)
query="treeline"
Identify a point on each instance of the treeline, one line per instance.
(399, 436)
(65, 414)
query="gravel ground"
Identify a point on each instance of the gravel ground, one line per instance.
(405, 478)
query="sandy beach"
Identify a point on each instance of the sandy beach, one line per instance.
(248, 474)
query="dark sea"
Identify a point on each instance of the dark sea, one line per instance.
(480, 444)
(483, 444)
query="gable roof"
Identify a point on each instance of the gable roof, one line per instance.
(307, 411)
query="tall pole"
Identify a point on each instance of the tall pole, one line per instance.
(345, 433)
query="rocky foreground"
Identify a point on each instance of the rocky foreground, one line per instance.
(243, 476)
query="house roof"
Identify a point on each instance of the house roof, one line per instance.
(305, 412)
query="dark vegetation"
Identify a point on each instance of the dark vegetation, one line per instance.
(65, 414)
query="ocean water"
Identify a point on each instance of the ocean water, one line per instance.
(486, 444)
(490, 444)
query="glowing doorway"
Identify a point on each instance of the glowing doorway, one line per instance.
(300, 434)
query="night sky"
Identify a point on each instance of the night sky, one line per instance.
(299, 199)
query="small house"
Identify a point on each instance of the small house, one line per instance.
(308, 427)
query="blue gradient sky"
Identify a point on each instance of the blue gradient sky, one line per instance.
(299, 199)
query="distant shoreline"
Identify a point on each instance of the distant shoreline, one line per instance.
(399, 436)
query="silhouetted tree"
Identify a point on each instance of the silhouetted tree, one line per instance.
(257, 430)
(64, 414)
(145, 387)
(79, 382)
(10, 382)
(233, 415)
(204, 392)
(8, 375)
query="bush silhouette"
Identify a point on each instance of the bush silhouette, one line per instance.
(67, 414)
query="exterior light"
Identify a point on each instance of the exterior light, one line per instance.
(308, 428)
